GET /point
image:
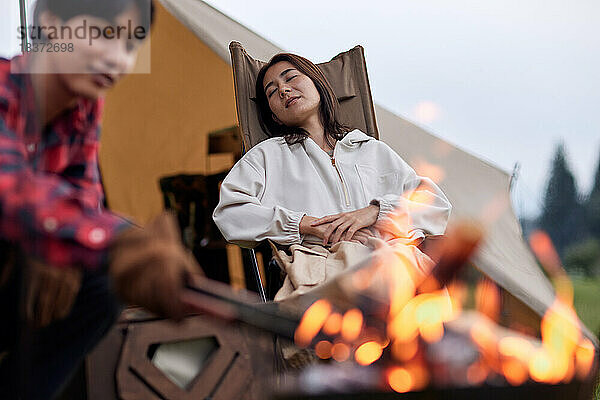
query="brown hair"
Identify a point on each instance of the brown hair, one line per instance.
(328, 107)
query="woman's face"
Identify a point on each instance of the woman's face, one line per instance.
(293, 97)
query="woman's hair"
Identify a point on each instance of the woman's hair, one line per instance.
(328, 107)
(106, 9)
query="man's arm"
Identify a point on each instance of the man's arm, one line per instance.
(45, 214)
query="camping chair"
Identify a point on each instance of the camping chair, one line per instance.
(347, 74)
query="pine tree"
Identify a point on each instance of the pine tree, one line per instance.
(592, 206)
(562, 214)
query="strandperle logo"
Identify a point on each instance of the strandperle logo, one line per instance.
(82, 32)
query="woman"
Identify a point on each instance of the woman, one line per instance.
(318, 187)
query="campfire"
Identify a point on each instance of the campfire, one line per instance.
(384, 328)
(413, 333)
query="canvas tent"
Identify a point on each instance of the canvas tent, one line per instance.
(157, 125)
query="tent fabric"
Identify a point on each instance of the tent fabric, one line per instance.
(346, 72)
(476, 188)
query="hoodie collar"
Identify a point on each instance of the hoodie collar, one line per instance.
(355, 137)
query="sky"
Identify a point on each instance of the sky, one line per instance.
(506, 80)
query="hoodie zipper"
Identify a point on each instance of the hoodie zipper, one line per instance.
(344, 188)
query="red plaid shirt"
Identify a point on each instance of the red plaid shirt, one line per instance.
(50, 191)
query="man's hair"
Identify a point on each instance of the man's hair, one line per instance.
(328, 107)
(106, 9)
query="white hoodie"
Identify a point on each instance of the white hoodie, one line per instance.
(269, 190)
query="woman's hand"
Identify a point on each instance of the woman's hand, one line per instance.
(343, 226)
(306, 227)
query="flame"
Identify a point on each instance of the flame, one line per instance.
(400, 380)
(515, 347)
(544, 250)
(421, 198)
(333, 324)
(477, 373)
(560, 335)
(401, 285)
(458, 292)
(584, 358)
(432, 171)
(488, 299)
(323, 349)
(484, 338)
(311, 322)
(419, 374)
(340, 352)
(367, 353)
(540, 366)
(424, 314)
(352, 323)
(417, 314)
(515, 372)
(405, 351)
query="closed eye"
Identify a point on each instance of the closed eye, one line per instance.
(290, 78)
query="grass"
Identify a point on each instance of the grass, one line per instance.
(587, 302)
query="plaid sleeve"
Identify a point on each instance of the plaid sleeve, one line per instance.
(47, 215)
(83, 171)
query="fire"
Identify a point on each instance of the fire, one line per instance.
(544, 250)
(367, 353)
(515, 347)
(323, 349)
(340, 352)
(485, 338)
(414, 315)
(352, 323)
(424, 314)
(515, 371)
(333, 324)
(419, 374)
(477, 373)
(311, 323)
(405, 351)
(432, 171)
(400, 380)
(540, 366)
(584, 358)
(487, 299)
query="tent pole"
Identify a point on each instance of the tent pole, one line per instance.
(23, 16)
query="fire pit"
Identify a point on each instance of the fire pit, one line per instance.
(384, 331)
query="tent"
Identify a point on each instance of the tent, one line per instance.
(158, 124)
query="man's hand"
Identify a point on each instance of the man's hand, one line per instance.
(150, 267)
(50, 292)
(343, 226)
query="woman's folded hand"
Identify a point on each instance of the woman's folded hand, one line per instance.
(343, 226)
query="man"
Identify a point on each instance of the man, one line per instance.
(61, 253)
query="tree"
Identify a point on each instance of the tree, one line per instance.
(584, 258)
(562, 215)
(592, 206)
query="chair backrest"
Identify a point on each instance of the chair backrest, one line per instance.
(346, 72)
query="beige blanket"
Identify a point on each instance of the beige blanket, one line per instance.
(308, 265)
